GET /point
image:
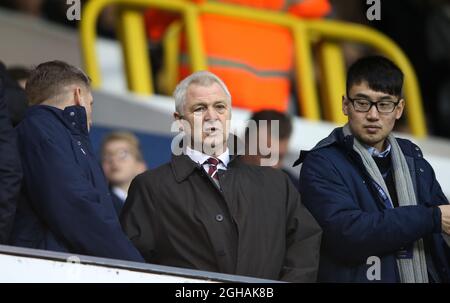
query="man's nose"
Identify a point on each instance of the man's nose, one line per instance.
(373, 113)
(113, 159)
(211, 113)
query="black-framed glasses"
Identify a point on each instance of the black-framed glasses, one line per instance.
(364, 105)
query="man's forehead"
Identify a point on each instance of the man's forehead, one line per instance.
(200, 90)
(364, 89)
(117, 143)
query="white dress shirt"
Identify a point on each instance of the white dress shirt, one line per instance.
(200, 158)
(119, 193)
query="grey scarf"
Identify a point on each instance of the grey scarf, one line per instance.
(411, 270)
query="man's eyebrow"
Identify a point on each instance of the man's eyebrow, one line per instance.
(361, 95)
(198, 104)
(387, 97)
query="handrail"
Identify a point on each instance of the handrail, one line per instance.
(137, 63)
(302, 32)
(308, 101)
(44, 266)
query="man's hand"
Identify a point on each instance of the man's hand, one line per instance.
(445, 219)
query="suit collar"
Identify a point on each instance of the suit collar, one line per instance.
(200, 158)
(336, 137)
(408, 148)
(183, 166)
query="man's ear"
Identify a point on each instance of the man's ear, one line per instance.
(399, 109)
(179, 119)
(345, 106)
(78, 99)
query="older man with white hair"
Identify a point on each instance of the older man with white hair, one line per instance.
(207, 210)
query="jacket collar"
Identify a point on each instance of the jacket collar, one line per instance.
(337, 137)
(201, 158)
(183, 166)
(73, 117)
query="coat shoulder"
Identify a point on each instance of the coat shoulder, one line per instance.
(329, 154)
(155, 174)
(264, 174)
(256, 170)
(409, 148)
(39, 126)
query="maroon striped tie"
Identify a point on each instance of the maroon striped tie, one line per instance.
(212, 171)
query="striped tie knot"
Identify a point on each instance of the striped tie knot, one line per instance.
(212, 171)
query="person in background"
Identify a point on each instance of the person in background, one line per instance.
(65, 204)
(122, 160)
(20, 74)
(278, 142)
(254, 58)
(14, 96)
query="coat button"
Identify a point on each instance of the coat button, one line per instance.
(417, 148)
(72, 114)
(73, 123)
(421, 170)
(219, 218)
(79, 143)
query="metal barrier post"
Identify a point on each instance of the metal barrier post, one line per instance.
(302, 30)
(135, 51)
(304, 71)
(333, 81)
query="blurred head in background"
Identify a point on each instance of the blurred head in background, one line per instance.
(20, 74)
(122, 159)
(269, 141)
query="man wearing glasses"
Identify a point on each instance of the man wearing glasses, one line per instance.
(382, 211)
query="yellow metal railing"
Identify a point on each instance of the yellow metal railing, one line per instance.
(133, 40)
